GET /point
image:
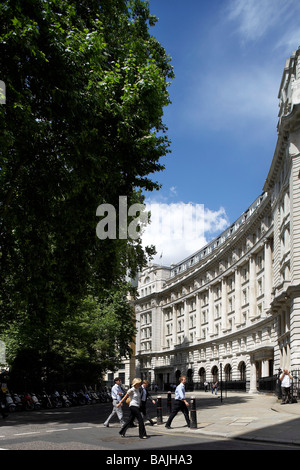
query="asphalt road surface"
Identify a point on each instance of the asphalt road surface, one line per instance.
(81, 428)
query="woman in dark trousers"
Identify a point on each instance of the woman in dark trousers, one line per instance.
(134, 407)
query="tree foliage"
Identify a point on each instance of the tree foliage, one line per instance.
(86, 84)
(93, 340)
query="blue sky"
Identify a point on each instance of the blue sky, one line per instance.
(228, 57)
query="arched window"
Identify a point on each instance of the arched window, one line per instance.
(202, 374)
(228, 372)
(215, 373)
(242, 370)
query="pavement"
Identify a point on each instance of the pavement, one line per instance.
(252, 417)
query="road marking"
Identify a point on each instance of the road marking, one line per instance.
(56, 430)
(84, 427)
(26, 433)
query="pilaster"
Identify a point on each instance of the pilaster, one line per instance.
(295, 208)
(295, 333)
(237, 287)
(268, 277)
(252, 287)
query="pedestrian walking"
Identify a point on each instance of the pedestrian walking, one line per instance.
(180, 403)
(134, 407)
(286, 381)
(214, 388)
(144, 396)
(116, 394)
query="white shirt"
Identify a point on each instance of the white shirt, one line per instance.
(286, 381)
(180, 392)
(135, 396)
(116, 389)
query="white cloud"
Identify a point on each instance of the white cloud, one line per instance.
(178, 230)
(255, 18)
(173, 191)
(231, 100)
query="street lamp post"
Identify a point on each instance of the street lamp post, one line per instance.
(221, 382)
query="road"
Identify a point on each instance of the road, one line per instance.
(81, 428)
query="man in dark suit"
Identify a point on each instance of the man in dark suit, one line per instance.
(144, 396)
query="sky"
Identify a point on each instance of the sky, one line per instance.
(228, 58)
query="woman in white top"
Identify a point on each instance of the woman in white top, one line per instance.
(134, 407)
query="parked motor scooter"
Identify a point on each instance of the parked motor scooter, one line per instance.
(18, 402)
(10, 405)
(36, 402)
(65, 399)
(46, 400)
(82, 399)
(27, 402)
(94, 397)
(56, 400)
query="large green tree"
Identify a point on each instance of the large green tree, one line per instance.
(86, 84)
(93, 340)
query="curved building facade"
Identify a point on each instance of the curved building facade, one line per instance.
(234, 306)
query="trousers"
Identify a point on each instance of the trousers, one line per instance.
(179, 405)
(144, 412)
(134, 413)
(118, 412)
(286, 394)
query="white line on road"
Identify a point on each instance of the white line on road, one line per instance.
(84, 427)
(56, 430)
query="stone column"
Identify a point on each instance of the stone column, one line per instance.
(224, 311)
(162, 329)
(174, 324)
(210, 311)
(186, 320)
(293, 345)
(252, 287)
(198, 317)
(237, 288)
(294, 153)
(265, 368)
(268, 273)
(253, 379)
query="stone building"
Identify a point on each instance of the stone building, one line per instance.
(234, 306)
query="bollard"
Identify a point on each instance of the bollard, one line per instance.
(169, 404)
(159, 411)
(193, 413)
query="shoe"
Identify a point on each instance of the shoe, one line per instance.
(121, 434)
(144, 437)
(167, 426)
(151, 423)
(106, 425)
